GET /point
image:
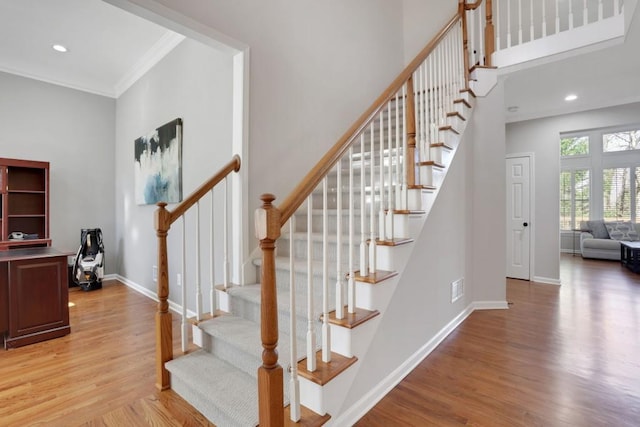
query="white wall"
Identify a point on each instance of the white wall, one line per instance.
(421, 21)
(542, 137)
(74, 131)
(315, 67)
(489, 197)
(193, 82)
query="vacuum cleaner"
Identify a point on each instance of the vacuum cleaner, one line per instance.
(88, 269)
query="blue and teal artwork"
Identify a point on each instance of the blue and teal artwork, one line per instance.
(158, 165)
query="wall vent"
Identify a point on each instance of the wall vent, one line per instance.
(457, 290)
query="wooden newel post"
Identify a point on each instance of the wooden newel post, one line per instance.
(489, 35)
(411, 134)
(164, 335)
(270, 374)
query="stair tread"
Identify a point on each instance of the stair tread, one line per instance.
(325, 372)
(253, 293)
(217, 383)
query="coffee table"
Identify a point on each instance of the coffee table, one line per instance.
(630, 255)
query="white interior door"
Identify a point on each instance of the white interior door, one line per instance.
(518, 217)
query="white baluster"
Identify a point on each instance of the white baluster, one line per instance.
(197, 268)
(544, 18)
(531, 31)
(422, 128)
(440, 64)
(472, 38)
(382, 228)
(481, 17)
(364, 256)
(498, 42)
(570, 19)
(351, 284)
(600, 10)
(226, 234)
(519, 22)
(399, 178)
(585, 13)
(433, 129)
(390, 196)
(326, 332)
(557, 16)
(405, 191)
(616, 7)
(372, 211)
(212, 258)
(508, 24)
(294, 384)
(424, 137)
(311, 330)
(184, 325)
(339, 294)
(449, 74)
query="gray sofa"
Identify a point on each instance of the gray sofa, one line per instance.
(599, 247)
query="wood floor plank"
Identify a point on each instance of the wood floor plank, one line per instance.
(560, 356)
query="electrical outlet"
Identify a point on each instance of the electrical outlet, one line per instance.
(154, 273)
(179, 279)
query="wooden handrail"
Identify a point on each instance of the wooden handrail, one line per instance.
(182, 207)
(162, 222)
(322, 168)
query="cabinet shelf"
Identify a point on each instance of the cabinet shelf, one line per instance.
(24, 202)
(26, 192)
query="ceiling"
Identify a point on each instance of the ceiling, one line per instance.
(600, 78)
(108, 48)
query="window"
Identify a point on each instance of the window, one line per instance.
(574, 146)
(574, 198)
(616, 194)
(621, 141)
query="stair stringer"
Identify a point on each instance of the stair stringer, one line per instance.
(373, 297)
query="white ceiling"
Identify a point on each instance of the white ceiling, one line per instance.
(601, 78)
(108, 48)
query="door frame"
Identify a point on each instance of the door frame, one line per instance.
(532, 207)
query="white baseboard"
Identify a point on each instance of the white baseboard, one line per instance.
(369, 400)
(490, 305)
(546, 280)
(176, 308)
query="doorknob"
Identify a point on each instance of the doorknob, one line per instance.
(526, 224)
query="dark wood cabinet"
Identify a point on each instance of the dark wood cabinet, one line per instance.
(24, 203)
(34, 297)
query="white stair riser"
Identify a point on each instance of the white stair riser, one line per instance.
(353, 342)
(330, 397)
(393, 258)
(375, 297)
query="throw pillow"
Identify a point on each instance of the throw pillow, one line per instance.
(598, 229)
(623, 230)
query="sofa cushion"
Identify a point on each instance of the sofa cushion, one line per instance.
(622, 230)
(601, 244)
(598, 229)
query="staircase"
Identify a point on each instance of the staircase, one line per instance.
(342, 240)
(220, 379)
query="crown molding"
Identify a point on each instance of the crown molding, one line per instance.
(158, 51)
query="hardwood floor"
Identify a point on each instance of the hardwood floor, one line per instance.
(102, 374)
(561, 356)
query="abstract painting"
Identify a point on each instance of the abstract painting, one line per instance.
(158, 165)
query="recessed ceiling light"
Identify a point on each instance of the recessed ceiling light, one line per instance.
(571, 97)
(59, 48)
